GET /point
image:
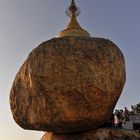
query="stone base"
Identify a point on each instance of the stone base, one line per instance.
(98, 134)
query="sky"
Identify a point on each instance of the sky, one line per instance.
(24, 24)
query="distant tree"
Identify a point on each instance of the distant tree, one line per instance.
(138, 108)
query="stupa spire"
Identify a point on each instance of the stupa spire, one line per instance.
(72, 9)
(73, 28)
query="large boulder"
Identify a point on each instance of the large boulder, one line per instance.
(68, 84)
(99, 134)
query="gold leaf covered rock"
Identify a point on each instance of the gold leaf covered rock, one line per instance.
(68, 84)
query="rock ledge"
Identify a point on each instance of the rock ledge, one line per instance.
(99, 134)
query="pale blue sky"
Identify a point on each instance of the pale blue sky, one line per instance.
(24, 24)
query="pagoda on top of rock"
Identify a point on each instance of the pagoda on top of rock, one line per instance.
(73, 28)
(68, 84)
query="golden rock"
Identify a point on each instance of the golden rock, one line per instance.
(70, 83)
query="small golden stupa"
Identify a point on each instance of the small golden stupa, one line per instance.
(73, 28)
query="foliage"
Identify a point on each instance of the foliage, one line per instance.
(138, 108)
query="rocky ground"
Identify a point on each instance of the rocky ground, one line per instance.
(98, 134)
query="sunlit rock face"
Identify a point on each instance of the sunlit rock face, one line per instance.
(68, 84)
(98, 134)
